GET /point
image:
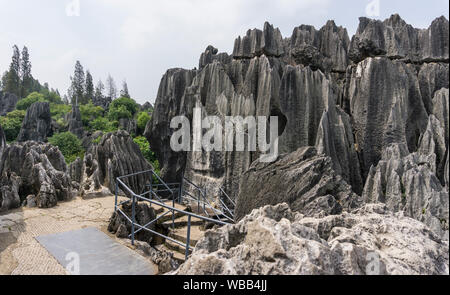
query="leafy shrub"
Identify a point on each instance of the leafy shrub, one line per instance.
(89, 112)
(120, 112)
(103, 124)
(59, 111)
(25, 103)
(142, 120)
(11, 124)
(69, 145)
(144, 146)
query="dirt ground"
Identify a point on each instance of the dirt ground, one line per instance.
(21, 254)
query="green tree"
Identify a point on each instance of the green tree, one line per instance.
(124, 92)
(99, 89)
(12, 123)
(25, 73)
(111, 88)
(142, 120)
(77, 85)
(150, 156)
(13, 78)
(119, 112)
(103, 124)
(89, 91)
(69, 145)
(128, 103)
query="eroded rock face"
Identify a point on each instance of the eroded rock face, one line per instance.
(116, 155)
(2, 141)
(302, 179)
(33, 169)
(103, 102)
(408, 183)
(386, 107)
(75, 122)
(37, 125)
(273, 240)
(8, 102)
(397, 39)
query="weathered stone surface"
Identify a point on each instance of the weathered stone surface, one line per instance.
(121, 227)
(325, 49)
(335, 139)
(116, 155)
(76, 170)
(210, 55)
(33, 168)
(158, 131)
(37, 123)
(2, 141)
(386, 107)
(129, 125)
(75, 123)
(273, 240)
(432, 77)
(256, 43)
(303, 179)
(407, 182)
(8, 102)
(397, 39)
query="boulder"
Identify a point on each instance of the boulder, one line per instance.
(33, 168)
(303, 179)
(273, 240)
(121, 227)
(8, 102)
(37, 125)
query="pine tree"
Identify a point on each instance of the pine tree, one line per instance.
(13, 77)
(89, 91)
(124, 91)
(25, 73)
(111, 87)
(78, 84)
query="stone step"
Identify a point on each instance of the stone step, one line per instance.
(182, 222)
(176, 255)
(180, 234)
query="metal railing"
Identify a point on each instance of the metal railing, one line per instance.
(175, 190)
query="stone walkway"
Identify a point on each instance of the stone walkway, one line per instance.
(21, 254)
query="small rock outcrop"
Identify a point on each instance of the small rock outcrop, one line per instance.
(121, 227)
(115, 155)
(8, 102)
(407, 182)
(75, 122)
(2, 141)
(103, 102)
(303, 179)
(273, 240)
(33, 168)
(37, 125)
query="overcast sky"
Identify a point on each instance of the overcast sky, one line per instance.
(139, 40)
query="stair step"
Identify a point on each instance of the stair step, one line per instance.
(168, 216)
(176, 255)
(182, 221)
(180, 234)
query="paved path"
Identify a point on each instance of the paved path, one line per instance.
(21, 253)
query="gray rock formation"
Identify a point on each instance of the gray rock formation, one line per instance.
(408, 183)
(273, 240)
(129, 125)
(386, 107)
(432, 77)
(2, 141)
(37, 123)
(75, 122)
(115, 155)
(210, 55)
(121, 227)
(33, 169)
(302, 179)
(8, 102)
(396, 39)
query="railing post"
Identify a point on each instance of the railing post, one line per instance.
(173, 211)
(151, 186)
(180, 191)
(204, 200)
(133, 218)
(188, 238)
(115, 198)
